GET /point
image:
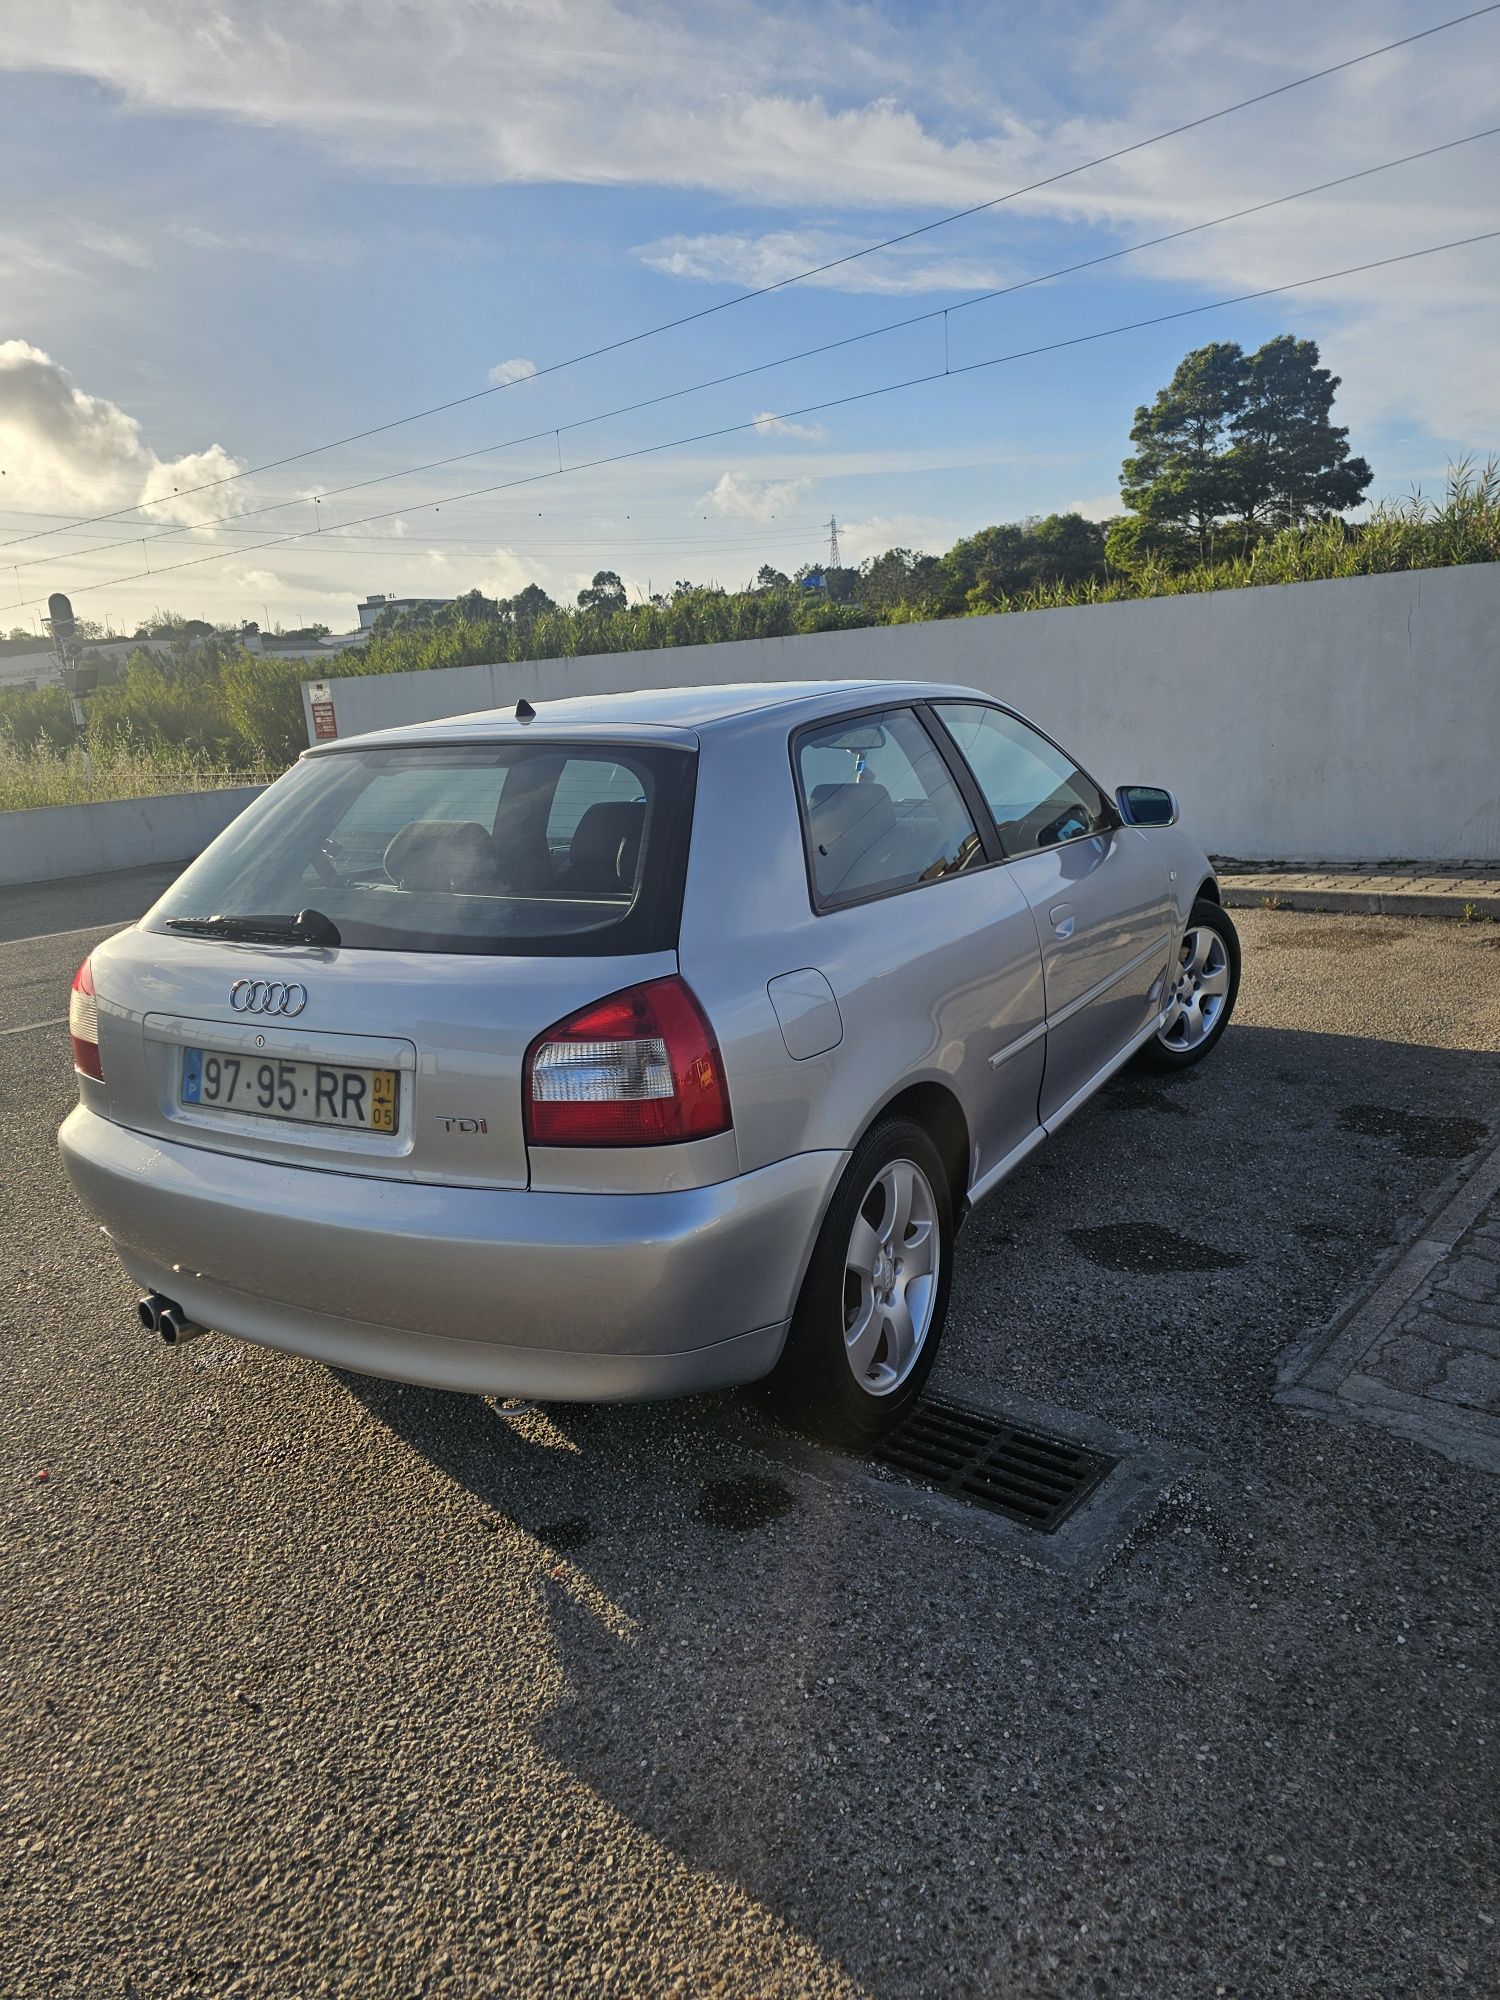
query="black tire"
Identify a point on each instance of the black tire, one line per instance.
(813, 1386)
(1159, 1054)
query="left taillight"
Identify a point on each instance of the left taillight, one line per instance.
(641, 1068)
(83, 1023)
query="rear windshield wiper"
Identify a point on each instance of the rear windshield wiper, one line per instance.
(307, 927)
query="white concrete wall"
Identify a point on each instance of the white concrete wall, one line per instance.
(1357, 720)
(49, 843)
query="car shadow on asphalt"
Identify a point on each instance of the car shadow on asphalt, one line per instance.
(757, 1669)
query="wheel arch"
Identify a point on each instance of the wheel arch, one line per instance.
(935, 1107)
(1207, 891)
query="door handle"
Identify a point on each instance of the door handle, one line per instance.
(1061, 918)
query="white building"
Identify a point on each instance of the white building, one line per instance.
(377, 601)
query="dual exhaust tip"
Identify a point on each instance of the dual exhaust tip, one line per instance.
(165, 1317)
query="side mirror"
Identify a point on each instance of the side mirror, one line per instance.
(1146, 805)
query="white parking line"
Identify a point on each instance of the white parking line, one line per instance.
(30, 1028)
(83, 930)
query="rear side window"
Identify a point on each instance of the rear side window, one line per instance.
(536, 849)
(880, 809)
(1038, 796)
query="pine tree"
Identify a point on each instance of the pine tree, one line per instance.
(1292, 461)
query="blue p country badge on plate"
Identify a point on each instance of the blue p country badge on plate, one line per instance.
(192, 1075)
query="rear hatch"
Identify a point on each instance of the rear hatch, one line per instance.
(442, 904)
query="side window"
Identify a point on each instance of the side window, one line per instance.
(882, 812)
(585, 782)
(1039, 798)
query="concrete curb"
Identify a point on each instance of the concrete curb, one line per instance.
(1323, 1375)
(1467, 902)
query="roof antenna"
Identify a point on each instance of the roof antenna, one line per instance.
(524, 711)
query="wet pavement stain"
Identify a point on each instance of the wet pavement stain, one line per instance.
(1146, 1246)
(1419, 1136)
(743, 1503)
(564, 1536)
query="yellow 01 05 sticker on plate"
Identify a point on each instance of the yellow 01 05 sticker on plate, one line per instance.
(383, 1100)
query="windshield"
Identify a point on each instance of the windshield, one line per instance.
(522, 849)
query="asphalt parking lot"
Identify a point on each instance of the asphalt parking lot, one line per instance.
(321, 1685)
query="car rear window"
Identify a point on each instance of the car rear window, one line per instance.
(530, 849)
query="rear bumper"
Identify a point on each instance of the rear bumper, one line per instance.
(583, 1297)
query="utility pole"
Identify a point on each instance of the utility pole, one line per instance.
(833, 543)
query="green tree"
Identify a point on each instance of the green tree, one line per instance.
(528, 605)
(899, 576)
(768, 578)
(606, 593)
(1182, 482)
(1291, 460)
(1235, 445)
(1005, 562)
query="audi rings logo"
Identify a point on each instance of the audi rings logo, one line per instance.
(267, 996)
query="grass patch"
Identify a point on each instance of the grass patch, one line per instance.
(45, 776)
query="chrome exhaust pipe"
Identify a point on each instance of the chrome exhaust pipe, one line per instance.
(164, 1316)
(176, 1327)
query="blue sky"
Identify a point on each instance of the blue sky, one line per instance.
(230, 235)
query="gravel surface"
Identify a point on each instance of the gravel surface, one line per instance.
(319, 1685)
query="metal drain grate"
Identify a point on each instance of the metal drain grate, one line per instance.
(995, 1464)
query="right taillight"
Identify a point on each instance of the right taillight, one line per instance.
(83, 1023)
(641, 1068)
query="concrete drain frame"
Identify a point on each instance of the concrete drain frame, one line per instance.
(1129, 1478)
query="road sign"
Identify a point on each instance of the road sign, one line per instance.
(325, 723)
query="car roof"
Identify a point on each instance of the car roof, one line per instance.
(659, 712)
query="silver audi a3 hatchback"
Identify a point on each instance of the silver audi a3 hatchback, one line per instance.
(632, 1045)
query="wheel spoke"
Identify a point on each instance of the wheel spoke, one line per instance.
(898, 1180)
(1214, 983)
(864, 1249)
(1203, 944)
(863, 1338)
(900, 1334)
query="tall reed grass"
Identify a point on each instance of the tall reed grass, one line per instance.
(45, 776)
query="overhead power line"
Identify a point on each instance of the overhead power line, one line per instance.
(801, 277)
(926, 317)
(832, 403)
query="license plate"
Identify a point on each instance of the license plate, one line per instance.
(312, 1093)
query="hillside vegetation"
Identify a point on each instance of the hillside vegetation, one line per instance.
(213, 713)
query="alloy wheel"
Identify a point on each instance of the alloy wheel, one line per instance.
(1199, 992)
(891, 1277)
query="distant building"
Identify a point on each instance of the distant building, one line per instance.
(288, 646)
(377, 602)
(33, 662)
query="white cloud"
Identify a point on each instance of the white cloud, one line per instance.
(924, 111)
(737, 494)
(511, 371)
(1097, 507)
(924, 534)
(64, 449)
(770, 425)
(320, 248)
(779, 254)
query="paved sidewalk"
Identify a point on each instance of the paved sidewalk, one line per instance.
(1421, 1355)
(1471, 893)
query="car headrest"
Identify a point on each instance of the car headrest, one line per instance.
(839, 813)
(606, 843)
(442, 855)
